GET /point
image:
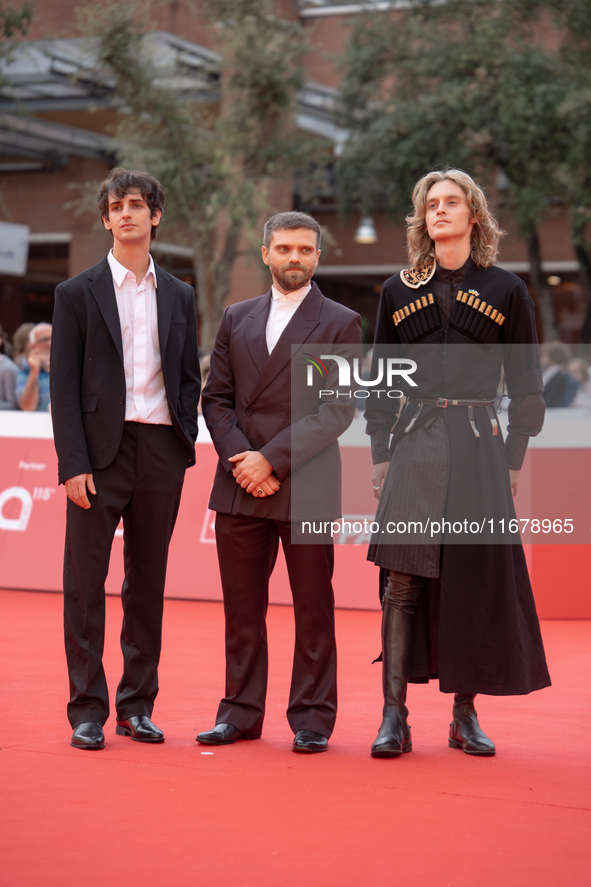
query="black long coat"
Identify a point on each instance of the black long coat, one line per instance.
(476, 627)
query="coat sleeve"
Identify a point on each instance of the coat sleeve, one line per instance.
(302, 440)
(190, 385)
(380, 413)
(219, 399)
(67, 357)
(523, 377)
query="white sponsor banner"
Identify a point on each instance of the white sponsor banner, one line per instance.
(14, 248)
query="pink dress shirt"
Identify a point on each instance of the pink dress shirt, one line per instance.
(145, 399)
(283, 307)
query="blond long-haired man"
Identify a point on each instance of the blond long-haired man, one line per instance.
(457, 600)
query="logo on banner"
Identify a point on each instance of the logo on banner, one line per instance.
(16, 524)
(394, 366)
(316, 362)
(387, 370)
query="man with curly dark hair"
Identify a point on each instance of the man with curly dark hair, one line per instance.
(125, 386)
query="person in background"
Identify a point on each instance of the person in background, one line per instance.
(578, 368)
(20, 344)
(560, 387)
(32, 382)
(8, 374)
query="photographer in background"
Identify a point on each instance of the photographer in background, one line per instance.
(21, 344)
(32, 382)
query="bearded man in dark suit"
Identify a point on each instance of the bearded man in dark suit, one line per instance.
(271, 442)
(125, 385)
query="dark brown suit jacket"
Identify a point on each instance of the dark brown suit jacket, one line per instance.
(258, 401)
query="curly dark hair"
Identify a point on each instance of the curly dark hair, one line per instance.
(121, 181)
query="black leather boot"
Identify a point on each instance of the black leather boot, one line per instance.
(464, 731)
(394, 736)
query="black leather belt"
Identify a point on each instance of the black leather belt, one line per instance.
(444, 402)
(449, 402)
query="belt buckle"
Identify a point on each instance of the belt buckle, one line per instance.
(442, 402)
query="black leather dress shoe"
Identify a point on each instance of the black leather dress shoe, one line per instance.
(465, 732)
(88, 736)
(394, 737)
(308, 741)
(222, 734)
(140, 728)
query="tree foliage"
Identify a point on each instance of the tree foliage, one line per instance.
(216, 161)
(15, 21)
(471, 84)
(573, 17)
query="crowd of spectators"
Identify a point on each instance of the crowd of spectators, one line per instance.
(24, 371)
(566, 377)
(24, 368)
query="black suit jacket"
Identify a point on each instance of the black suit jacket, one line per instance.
(87, 381)
(250, 401)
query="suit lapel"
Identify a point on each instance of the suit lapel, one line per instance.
(297, 331)
(103, 291)
(255, 332)
(165, 304)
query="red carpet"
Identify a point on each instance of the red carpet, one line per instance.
(254, 814)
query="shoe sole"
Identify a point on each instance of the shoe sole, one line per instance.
(481, 754)
(122, 731)
(392, 754)
(308, 751)
(224, 742)
(88, 747)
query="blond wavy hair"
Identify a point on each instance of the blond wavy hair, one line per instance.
(486, 233)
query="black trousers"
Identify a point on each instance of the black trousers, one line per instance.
(143, 486)
(247, 550)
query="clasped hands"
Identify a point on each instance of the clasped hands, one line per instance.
(254, 473)
(251, 470)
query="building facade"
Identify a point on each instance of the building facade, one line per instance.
(55, 123)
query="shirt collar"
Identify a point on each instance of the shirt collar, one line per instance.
(295, 296)
(120, 272)
(455, 276)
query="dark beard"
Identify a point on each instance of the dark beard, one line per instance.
(295, 280)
